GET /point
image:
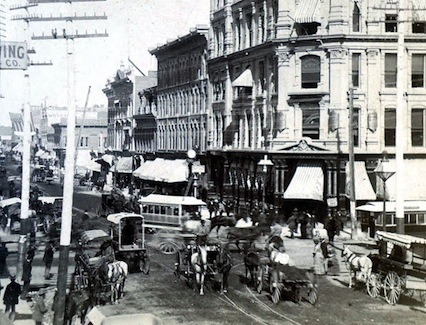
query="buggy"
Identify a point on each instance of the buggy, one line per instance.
(400, 267)
(49, 210)
(281, 278)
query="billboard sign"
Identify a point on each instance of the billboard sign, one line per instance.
(13, 56)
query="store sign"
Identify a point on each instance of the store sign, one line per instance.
(13, 56)
(332, 202)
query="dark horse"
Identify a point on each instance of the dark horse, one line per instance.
(224, 265)
(77, 303)
(222, 221)
(252, 263)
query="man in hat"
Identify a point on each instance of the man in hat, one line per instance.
(292, 222)
(11, 296)
(39, 307)
(202, 231)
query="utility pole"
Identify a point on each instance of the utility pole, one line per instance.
(401, 118)
(69, 35)
(352, 197)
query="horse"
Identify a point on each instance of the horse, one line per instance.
(224, 264)
(114, 274)
(77, 303)
(252, 263)
(357, 263)
(199, 266)
(222, 221)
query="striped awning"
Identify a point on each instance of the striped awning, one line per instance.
(307, 183)
(363, 189)
(400, 239)
(307, 12)
(123, 165)
(163, 170)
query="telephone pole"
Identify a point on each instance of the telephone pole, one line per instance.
(352, 197)
(69, 35)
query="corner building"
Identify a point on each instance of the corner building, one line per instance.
(280, 72)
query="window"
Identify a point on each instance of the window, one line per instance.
(81, 142)
(356, 19)
(390, 70)
(311, 71)
(419, 27)
(417, 127)
(417, 71)
(356, 62)
(249, 24)
(355, 126)
(306, 28)
(391, 23)
(310, 120)
(390, 127)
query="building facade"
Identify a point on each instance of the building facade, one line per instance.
(123, 103)
(280, 73)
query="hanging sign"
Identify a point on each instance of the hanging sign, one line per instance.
(13, 56)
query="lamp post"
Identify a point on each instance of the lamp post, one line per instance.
(264, 163)
(384, 171)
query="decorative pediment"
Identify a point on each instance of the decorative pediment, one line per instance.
(305, 144)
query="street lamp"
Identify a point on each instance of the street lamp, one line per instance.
(264, 163)
(384, 171)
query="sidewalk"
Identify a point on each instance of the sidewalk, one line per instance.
(23, 309)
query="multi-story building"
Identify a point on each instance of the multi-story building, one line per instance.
(123, 103)
(145, 131)
(280, 73)
(182, 97)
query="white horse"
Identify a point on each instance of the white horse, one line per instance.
(199, 266)
(357, 263)
(115, 275)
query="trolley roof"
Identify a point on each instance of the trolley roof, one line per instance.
(171, 199)
(11, 201)
(49, 199)
(400, 239)
(93, 234)
(116, 217)
(377, 206)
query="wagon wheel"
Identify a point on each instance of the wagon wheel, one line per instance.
(177, 265)
(276, 293)
(313, 296)
(168, 247)
(392, 287)
(373, 285)
(169, 242)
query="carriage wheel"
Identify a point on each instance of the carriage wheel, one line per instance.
(177, 265)
(313, 296)
(373, 285)
(168, 248)
(261, 279)
(392, 287)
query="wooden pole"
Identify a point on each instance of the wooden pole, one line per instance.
(352, 197)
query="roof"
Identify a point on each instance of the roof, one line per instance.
(116, 217)
(377, 206)
(400, 239)
(7, 202)
(163, 170)
(49, 199)
(171, 199)
(93, 234)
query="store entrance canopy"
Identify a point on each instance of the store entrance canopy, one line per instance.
(307, 183)
(363, 188)
(162, 170)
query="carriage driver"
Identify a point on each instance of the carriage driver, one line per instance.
(202, 231)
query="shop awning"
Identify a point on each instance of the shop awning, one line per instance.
(123, 165)
(307, 12)
(307, 183)
(93, 166)
(363, 189)
(18, 148)
(161, 170)
(244, 80)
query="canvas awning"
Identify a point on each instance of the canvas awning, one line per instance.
(162, 170)
(18, 148)
(307, 183)
(307, 12)
(123, 165)
(244, 80)
(93, 166)
(363, 189)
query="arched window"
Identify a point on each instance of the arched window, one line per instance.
(356, 19)
(311, 71)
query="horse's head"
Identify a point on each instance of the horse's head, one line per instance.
(346, 251)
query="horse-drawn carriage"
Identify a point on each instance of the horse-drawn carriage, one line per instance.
(49, 210)
(281, 277)
(201, 263)
(400, 267)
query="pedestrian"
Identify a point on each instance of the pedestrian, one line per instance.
(320, 255)
(49, 250)
(202, 231)
(26, 276)
(4, 252)
(304, 219)
(292, 223)
(31, 252)
(11, 295)
(39, 307)
(331, 227)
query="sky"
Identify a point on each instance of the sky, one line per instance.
(133, 26)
